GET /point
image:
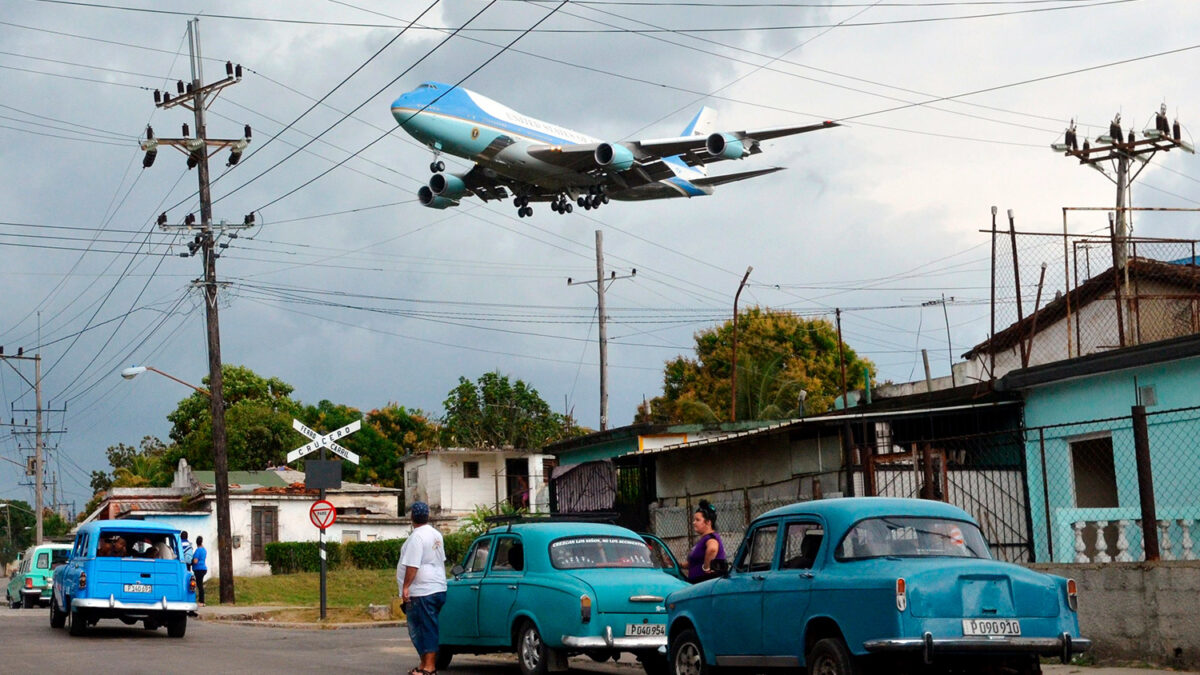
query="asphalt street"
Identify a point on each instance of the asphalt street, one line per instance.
(29, 644)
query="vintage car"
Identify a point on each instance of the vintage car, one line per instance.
(30, 585)
(551, 589)
(870, 584)
(124, 569)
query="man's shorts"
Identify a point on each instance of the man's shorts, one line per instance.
(423, 621)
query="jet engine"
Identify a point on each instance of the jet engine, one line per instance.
(612, 156)
(447, 185)
(726, 145)
(427, 198)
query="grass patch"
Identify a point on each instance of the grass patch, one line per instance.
(347, 588)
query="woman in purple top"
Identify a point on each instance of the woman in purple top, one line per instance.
(709, 546)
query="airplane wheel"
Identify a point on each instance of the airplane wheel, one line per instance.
(439, 166)
(582, 201)
(604, 197)
(554, 207)
(433, 167)
(569, 209)
(528, 211)
(595, 201)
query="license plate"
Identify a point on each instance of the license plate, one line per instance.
(639, 629)
(137, 588)
(992, 627)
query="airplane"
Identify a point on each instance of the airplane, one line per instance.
(535, 161)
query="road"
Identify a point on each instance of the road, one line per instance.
(30, 645)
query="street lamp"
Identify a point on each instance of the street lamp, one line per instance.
(133, 371)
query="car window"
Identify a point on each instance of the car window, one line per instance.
(593, 552)
(912, 537)
(509, 556)
(478, 557)
(758, 554)
(659, 555)
(135, 544)
(43, 560)
(800, 546)
(59, 556)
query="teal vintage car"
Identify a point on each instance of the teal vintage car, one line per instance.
(551, 589)
(869, 584)
(30, 585)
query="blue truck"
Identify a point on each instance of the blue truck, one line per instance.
(124, 569)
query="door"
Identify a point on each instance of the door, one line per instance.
(498, 590)
(662, 557)
(739, 598)
(459, 619)
(788, 590)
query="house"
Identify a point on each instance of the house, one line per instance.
(455, 481)
(264, 507)
(1080, 450)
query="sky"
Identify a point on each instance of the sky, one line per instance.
(351, 291)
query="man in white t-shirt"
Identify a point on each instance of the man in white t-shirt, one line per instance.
(421, 575)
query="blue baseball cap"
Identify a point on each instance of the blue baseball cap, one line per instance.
(419, 509)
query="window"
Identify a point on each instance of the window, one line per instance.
(470, 469)
(912, 537)
(413, 475)
(757, 556)
(43, 560)
(801, 545)
(591, 552)
(264, 529)
(349, 535)
(1095, 473)
(478, 557)
(510, 555)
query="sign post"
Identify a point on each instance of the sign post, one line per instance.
(322, 513)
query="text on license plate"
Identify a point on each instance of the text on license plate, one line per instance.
(645, 629)
(991, 627)
(137, 588)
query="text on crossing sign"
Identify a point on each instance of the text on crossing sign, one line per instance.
(327, 441)
(322, 514)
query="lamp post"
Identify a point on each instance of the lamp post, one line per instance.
(221, 477)
(733, 356)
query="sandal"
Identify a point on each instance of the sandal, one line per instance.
(418, 671)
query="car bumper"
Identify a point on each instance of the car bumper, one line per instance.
(608, 641)
(1063, 646)
(36, 593)
(112, 603)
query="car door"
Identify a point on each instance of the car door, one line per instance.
(459, 618)
(788, 590)
(499, 588)
(737, 640)
(661, 556)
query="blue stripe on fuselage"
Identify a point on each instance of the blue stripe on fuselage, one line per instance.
(457, 104)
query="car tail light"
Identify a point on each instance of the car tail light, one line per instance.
(83, 579)
(1072, 595)
(192, 584)
(28, 582)
(901, 595)
(585, 608)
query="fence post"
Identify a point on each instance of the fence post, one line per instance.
(1141, 444)
(1046, 494)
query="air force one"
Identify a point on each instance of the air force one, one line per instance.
(535, 161)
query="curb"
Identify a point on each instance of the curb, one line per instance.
(262, 619)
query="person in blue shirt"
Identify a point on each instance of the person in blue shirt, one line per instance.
(200, 568)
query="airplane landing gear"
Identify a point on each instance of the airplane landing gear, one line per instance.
(593, 199)
(561, 205)
(524, 210)
(437, 166)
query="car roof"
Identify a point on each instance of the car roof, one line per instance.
(127, 526)
(840, 513)
(550, 530)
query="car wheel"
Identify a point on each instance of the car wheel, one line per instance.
(444, 655)
(29, 601)
(687, 656)
(76, 620)
(177, 625)
(531, 651)
(12, 604)
(57, 618)
(830, 657)
(654, 663)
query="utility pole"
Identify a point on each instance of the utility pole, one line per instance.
(733, 356)
(949, 347)
(197, 96)
(603, 320)
(38, 464)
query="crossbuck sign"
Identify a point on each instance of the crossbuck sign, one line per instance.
(327, 441)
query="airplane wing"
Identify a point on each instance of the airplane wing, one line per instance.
(733, 177)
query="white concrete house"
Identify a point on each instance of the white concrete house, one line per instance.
(454, 481)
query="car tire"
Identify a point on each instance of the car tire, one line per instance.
(29, 601)
(444, 656)
(532, 653)
(830, 657)
(12, 604)
(177, 625)
(687, 655)
(654, 663)
(57, 618)
(76, 620)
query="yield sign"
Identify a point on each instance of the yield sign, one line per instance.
(327, 441)
(322, 514)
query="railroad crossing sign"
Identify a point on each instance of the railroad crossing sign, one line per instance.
(322, 514)
(327, 441)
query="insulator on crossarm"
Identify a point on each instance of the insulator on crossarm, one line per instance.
(1131, 137)
(189, 88)
(228, 69)
(186, 131)
(237, 71)
(190, 219)
(162, 219)
(179, 86)
(149, 132)
(1175, 131)
(166, 97)
(157, 97)
(247, 130)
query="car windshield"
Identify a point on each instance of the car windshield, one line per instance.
(574, 553)
(120, 544)
(910, 537)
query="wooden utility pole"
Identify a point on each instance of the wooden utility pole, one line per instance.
(602, 318)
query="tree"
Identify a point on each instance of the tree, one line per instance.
(493, 412)
(779, 355)
(144, 466)
(258, 423)
(20, 517)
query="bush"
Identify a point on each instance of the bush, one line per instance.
(373, 555)
(289, 557)
(456, 544)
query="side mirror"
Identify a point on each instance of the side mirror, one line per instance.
(719, 566)
(457, 570)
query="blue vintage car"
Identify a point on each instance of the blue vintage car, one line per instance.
(847, 586)
(547, 590)
(124, 569)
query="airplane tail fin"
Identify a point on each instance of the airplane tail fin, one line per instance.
(703, 124)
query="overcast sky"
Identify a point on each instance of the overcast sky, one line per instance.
(352, 292)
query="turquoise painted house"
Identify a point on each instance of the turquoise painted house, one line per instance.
(1080, 452)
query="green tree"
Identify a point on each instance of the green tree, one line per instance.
(494, 412)
(258, 422)
(778, 356)
(20, 518)
(378, 449)
(144, 466)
